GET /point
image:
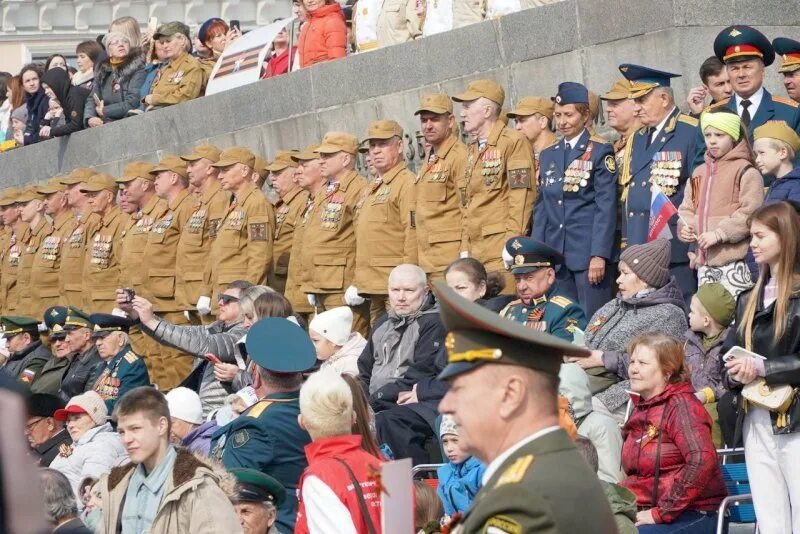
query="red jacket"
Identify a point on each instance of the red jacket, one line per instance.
(333, 498)
(324, 35)
(278, 64)
(690, 478)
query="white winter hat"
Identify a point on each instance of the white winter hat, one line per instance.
(184, 404)
(334, 325)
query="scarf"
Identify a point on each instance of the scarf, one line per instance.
(116, 62)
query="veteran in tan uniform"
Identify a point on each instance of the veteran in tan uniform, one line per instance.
(385, 234)
(329, 248)
(197, 236)
(102, 271)
(242, 249)
(31, 213)
(310, 182)
(44, 288)
(11, 252)
(288, 215)
(79, 228)
(500, 187)
(440, 187)
(532, 117)
(181, 79)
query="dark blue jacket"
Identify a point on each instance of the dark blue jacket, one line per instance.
(37, 105)
(785, 188)
(580, 222)
(120, 374)
(672, 150)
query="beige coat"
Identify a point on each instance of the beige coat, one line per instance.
(43, 291)
(193, 501)
(102, 268)
(398, 22)
(70, 276)
(288, 215)
(28, 253)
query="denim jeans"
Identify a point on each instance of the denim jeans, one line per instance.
(689, 522)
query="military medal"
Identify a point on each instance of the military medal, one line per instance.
(65, 450)
(665, 171)
(651, 434)
(595, 326)
(196, 221)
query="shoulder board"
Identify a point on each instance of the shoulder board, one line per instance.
(598, 139)
(561, 301)
(715, 105)
(785, 100)
(691, 121)
(131, 357)
(258, 408)
(516, 471)
(508, 306)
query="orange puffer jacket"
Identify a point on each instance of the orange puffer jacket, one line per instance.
(323, 36)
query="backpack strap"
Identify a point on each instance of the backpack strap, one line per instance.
(362, 503)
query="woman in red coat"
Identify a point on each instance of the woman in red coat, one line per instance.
(668, 455)
(324, 35)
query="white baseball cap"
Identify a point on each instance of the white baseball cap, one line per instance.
(335, 325)
(184, 404)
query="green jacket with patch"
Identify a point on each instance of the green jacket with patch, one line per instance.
(553, 313)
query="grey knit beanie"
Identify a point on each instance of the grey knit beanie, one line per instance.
(649, 261)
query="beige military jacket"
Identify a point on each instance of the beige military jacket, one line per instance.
(398, 22)
(296, 269)
(329, 245)
(500, 192)
(242, 249)
(288, 215)
(385, 234)
(440, 191)
(178, 81)
(44, 287)
(102, 269)
(134, 241)
(70, 278)
(29, 251)
(194, 245)
(10, 269)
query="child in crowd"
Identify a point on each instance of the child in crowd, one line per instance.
(337, 345)
(721, 195)
(710, 315)
(427, 509)
(776, 145)
(459, 478)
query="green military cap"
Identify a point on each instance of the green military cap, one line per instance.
(530, 105)
(530, 255)
(234, 155)
(280, 346)
(9, 196)
(283, 160)
(310, 153)
(17, 324)
(789, 50)
(620, 90)
(478, 336)
(740, 43)
(78, 175)
(106, 323)
(438, 103)
(100, 182)
(171, 28)
(383, 129)
(483, 88)
(171, 163)
(54, 319)
(136, 169)
(718, 302)
(255, 486)
(334, 142)
(209, 152)
(53, 185)
(77, 318)
(28, 194)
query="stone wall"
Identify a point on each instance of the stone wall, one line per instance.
(528, 52)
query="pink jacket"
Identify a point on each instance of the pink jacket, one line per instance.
(719, 198)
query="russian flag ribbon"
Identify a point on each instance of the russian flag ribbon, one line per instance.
(661, 211)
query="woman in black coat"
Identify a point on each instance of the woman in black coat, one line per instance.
(117, 82)
(72, 99)
(36, 101)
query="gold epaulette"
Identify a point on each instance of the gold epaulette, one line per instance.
(785, 100)
(715, 105)
(561, 301)
(131, 357)
(516, 471)
(597, 138)
(688, 119)
(508, 306)
(258, 408)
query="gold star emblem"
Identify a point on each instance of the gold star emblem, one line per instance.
(735, 33)
(516, 245)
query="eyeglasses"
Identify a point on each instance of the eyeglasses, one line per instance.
(32, 424)
(225, 299)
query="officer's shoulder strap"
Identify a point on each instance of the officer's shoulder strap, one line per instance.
(561, 301)
(598, 139)
(687, 119)
(508, 306)
(516, 471)
(131, 357)
(785, 100)
(258, 408)
(715, 105)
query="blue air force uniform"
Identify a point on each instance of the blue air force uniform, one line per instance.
(576, 208)
(662, 158)
(266, 437)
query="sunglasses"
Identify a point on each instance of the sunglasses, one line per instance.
(227, 299)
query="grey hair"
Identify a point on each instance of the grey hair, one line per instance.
(59, 499)
(668, 91)
(411, 270)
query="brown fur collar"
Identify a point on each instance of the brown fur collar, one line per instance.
(186, 465)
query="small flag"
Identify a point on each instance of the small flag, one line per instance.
(661, 211)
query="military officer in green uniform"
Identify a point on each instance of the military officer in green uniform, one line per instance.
(536, 480)
(541, 305)
(255, 498)
(266, 437)
(27, 355)
(121, 369)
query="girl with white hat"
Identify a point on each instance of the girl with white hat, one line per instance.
(338, 347)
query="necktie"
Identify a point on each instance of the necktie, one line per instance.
(745, 112)
(649, 134)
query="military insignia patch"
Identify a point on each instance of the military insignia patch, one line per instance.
(27, 376)
(130, 357)
(611, 164)
(501, 524)
(258, 232)
(516, 471)
(735, 33)
(65, 450)
(516, 245)
(240, 438)
(519, 178)
(519, 259)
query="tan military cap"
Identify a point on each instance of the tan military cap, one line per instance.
(209, 152)
(435, 103)
(53, 185)
(100, 182)
(308, 154)
(594, 104)
(234, 155)
(530, 105)
(28, 194)
(78, 175)
(261, 167)
(334, 142)
(283, 160)
(136, 169)
(383, 130)
(171, 163)
(9, 196)
(482, 88)
(778, 130)
(621, 90)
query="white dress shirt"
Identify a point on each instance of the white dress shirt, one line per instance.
(497, 462)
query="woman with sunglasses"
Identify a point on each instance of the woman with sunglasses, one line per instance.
(210, 344)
